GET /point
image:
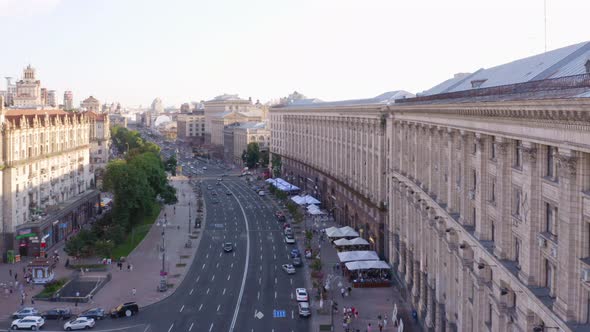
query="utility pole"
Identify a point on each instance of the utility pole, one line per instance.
(189, 216)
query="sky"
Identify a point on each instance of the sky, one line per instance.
(133, 51)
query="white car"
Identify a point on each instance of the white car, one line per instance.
(80, 323)
(24, 312)
(205, 168)
(289, 268)
(301, 294)
(289, 239)
(29, 322)
(304, 310)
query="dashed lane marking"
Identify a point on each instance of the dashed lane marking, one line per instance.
(182, 308)
(228, 276)
(207, 290)
(201, 307)
(171, 326)
(223, 292)
(191, 327)
(218, 307)
(211, 327)
(191, 292)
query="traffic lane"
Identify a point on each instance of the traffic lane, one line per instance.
(280, 297)
(130, 325)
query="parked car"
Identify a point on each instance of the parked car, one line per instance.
(228, 193)
(297, 261)
(57, 313)
(288, 268)
(289, 239)
(28, 322)
(301, 295)
(295, 253)
(94, 313)
(228, 247)
(80, 323)
(304, 310)
(204, 168)
(288, 231)
(24, 312)
(125, 310)
(261, 193)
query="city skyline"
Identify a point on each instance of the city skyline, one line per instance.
(192, 51)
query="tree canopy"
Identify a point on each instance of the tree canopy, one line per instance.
(251, 156)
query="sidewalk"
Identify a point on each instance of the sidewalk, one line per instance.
(369, 302)
(145, 259)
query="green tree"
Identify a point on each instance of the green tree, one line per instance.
(170, 165)
(251, 156)
(276, 165)
(264, 158)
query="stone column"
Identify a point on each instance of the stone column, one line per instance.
(452, 174)
(416, 283)
(503, 195)
(529, 255)
(430, 310)
(439, 317)
(422, 303)
(465, 184)
(402, 258)
(569, 212)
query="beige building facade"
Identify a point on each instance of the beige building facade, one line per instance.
(246, 133)
(190, 127)
(222, 104)
(100, 140)
(485, 180)
(219, 121)
(46, 178)
(28, 90)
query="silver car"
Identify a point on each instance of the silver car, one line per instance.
(288, 268)
(80, 323)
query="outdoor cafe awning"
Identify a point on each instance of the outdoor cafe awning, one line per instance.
(367, 265)
(359, 255)
(354, 242)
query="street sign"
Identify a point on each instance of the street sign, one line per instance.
(279, 313)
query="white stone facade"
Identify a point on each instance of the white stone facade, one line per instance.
(246, 134)
(190, 126)
(100, 140)
(28, 90)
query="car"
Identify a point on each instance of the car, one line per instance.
(228, 193)
(219, 179)
(288, 231)
(57, 313)
(301, 295)
(127, 309)
(214, 201)
(304, 310)
(218, 183)
(24, 312)
(295, 253)
(204, 168)
(210, 187)
(224, 175)
(228, 247)
(94, 313)
(214, 193)
(289, 239)
(80, 323)
(297, 261)
(28, 322)
(261, 193)
(288, 268)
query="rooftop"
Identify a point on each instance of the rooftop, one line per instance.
(382, 99)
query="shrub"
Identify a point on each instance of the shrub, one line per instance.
(316, 265)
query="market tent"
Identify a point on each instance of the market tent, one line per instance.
(333, 232)
(367, 265)
(348, 231)
(316, 212)
(297, 199)
(312, 207)
(310, 200)
(360, 255)
(354, 242)
(282, 184)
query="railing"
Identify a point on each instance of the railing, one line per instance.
(566, 82)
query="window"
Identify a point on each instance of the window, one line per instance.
(518, 154)
(551, 219)
(474, 215)
(474, 176)
(493, 148)
(550, 162)
(493, 190)
(517, 251)
(516, 202)
(493, 229)
(549, 276)
(490, 313)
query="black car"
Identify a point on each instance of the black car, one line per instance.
(228, 247)
(58, 313)
(125, 310)
(94, 313)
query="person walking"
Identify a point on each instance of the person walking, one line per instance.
(134, 291)
(369, 328)
(10, 272)
(342, 291)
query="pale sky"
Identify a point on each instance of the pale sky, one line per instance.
(181, 50)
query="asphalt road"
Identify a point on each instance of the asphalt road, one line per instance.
(216, 294)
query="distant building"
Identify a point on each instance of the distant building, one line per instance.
(246, 133)
(9, 93)
(91, 104)
(117, 119)
(185, 108)
(28, 90)
(157, 106)
(100, 140)
(51, 99)
(221, 104)
(191, 128)
(68, 100)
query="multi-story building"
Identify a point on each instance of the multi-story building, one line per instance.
(221, 104)
(68, 100)
(52, 99)
(246, 133)
(118, 119)
(46, 181)
(157, 106)
(9, 93)
(91, 104)
(487, 182)
(220, 120)
(28, 90)
(191, 127)
(100, 140)
(336, 152)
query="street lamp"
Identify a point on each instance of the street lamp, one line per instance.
(189, 216)
(163, 282)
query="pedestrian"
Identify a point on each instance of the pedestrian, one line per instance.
(342, 291)
(15, 276)
(415, 316)
(131, 267)
(128, 267)
(349, 290)
(10, 272)
(385, 322)
(356, 314)
(32, 300)
(369, 328)
(133, 291)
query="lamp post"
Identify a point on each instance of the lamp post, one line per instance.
(189, 217)
(163, 282)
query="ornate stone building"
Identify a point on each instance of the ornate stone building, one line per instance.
(100, 140)
(28, 90)
(246, 133)
(46, 181)
(336, 152)
(478, 189)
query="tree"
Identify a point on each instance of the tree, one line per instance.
(264, 158)
(170, 165)
(251, 156)
(276, 165)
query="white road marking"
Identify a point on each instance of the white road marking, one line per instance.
(211, 327)
(217, 265)
(182, 308)
(275, 280)
(232, 265)
(275, 256)
(233, 322)
(203, 267)
(171, 326)
(292, 314)
(224, 291)
(207, 290)
(219, 306)
(234, 254)
(201, 307)
(258, 296)
(220, 254)
(260, 281)
(213, 278)
(275, 294)
(260, 256)
(199, 277)
(191, 292)
(291, 296)
(228, 276)
(191, 327)
(260, 267)
(206, 256)
(291, 281)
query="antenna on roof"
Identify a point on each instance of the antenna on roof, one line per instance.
(545, 18)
